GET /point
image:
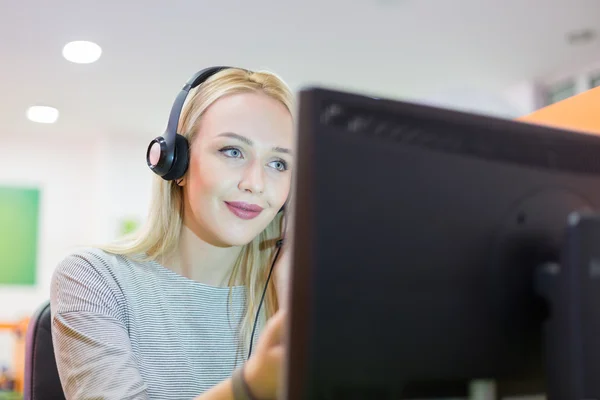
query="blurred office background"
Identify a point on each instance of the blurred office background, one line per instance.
(82, 179)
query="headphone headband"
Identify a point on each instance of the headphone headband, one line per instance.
(196, 80)
(167, 155)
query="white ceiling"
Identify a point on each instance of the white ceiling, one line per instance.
(397, 48)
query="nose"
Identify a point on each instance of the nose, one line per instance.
(253, 179)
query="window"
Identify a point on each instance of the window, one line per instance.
(595, 80)
(560, 91)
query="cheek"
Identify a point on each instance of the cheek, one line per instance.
(205, 181)
(282, 189)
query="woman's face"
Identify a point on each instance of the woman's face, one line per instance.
(240, 169)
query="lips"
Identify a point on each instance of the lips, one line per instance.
(244, 210)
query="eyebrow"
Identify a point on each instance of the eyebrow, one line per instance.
(250, 143)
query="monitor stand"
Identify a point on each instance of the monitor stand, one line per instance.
(571, 290)
(571, 332)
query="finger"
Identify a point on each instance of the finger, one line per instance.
(275, 327)
(277, 352)
(282, 280)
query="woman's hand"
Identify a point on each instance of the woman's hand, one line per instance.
(282, 275)
(263, 370)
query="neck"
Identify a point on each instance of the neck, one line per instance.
(200, 261)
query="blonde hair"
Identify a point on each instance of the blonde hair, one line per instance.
(159, 236)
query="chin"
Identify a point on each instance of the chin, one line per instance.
(228, 230)
(236, 240)
(240, 235)
(236, 235)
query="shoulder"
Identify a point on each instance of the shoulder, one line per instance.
(86, 277)
(95, 261)
(87, 263)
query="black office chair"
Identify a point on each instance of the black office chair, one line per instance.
(41, 376)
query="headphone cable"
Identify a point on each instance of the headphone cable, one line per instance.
(278, 244)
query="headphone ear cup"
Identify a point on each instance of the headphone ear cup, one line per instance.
(181, 159)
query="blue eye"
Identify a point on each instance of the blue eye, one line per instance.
(231, 152)
(280, 165)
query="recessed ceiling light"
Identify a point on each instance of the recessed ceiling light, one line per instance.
(82, 52)
(42, 114)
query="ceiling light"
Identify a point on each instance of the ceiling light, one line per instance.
(42, 114)
(82, 52)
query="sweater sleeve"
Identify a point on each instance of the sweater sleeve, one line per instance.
(89, 332)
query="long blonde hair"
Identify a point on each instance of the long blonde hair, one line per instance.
(159, 235)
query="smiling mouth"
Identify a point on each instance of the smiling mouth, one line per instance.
(244, 210)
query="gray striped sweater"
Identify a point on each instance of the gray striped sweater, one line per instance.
(124, 329)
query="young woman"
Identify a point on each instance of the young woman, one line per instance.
(168, 314)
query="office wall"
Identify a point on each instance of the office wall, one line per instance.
(87, 185)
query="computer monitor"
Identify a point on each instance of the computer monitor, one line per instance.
(432, 248)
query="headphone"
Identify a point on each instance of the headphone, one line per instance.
(168, 157)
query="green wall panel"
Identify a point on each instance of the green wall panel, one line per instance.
(19, 214)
